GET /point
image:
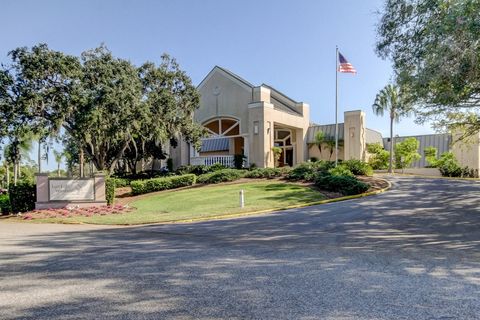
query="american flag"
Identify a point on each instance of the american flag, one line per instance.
(345, 66)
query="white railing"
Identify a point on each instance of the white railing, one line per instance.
(227, 161)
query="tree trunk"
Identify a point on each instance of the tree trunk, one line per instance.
(82, 160)
(390, 164)
(15, 173)
(8, 175)
(39, 155)
(58, 169)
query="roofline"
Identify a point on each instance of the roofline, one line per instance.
(233, 75)
(422, 135)
(279, 92)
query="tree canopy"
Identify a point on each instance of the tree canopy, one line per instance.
(103, 105)
(435, 49)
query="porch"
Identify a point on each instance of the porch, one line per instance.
(226, 161)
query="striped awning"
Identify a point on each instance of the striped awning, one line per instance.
(219, 144)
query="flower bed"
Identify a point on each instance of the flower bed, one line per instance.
(75, 212)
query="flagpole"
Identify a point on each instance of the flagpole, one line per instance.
(336, 105)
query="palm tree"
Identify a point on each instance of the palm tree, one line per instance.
(18, 149)
(392, 100)
(58, 159)
(320, 139)
(330, 143)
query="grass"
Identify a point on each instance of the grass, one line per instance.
(208, 201)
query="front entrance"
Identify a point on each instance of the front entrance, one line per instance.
(283, 140)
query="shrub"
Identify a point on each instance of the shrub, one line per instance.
(406, 153)
(22, 196)
(121, 182)
(448, 165)
(379, 158)
(277, 153)
(308, 170)
(170, 164)
(159, 184)
(238, 161)
(268, 173)
(346, 185)
(358, 167)
(224, 175)
(199, 169)
(216, 167)
(430, 154)
(110, 184)
(5, 207)
(340, 170)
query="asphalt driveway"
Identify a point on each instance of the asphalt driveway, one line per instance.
(410, 253)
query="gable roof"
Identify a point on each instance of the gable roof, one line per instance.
(228, 73)
(279, 100)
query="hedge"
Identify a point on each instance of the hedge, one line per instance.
(121, 182)
(341, 170)
(346, 185)
(22, 196)
(268, 173)
(110, 185)
(308, 170)
(159, 184)
(358, 167)
(199, 169)
(224, 175)
(5, 207)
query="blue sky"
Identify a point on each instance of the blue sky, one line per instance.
(289, 45)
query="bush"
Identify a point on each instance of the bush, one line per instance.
(358, 167)
(448, 165)
(110, 184)
(170, 164)
(224, 175)
(406, 153)
(340, 170)
(268, 173)
(430, 154)
(379, 158)
(199, 169)
(5, 207)
(308, 170)
(121, 182)
(346, 185)
(238, 161)
(159, 184)
(22, 196)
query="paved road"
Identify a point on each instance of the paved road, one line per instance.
(410, 253)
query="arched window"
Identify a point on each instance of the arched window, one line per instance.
(223, 127)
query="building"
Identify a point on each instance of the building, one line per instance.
(250, 120)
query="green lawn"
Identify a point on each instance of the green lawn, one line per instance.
(208, 201)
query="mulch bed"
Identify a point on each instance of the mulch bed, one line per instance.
(374, 182)
(75, 212)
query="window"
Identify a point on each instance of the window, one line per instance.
(223, 127)
(255, 127)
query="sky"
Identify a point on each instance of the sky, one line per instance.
(289, 45)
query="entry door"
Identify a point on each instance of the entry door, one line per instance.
(288, 157)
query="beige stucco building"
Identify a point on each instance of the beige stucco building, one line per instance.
(242, 118)
(245, 119)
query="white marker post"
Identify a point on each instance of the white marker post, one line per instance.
(242, 199)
